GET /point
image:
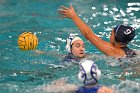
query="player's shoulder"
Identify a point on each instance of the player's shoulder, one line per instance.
(105, 89)
(137, 52)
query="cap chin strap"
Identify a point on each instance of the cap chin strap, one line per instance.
(68, 42)
(71, 38)
(122, 44)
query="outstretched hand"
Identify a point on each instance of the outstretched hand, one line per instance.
(67, 12)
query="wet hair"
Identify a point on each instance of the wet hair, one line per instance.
(124, 34)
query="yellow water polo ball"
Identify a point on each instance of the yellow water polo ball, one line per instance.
(27, 41)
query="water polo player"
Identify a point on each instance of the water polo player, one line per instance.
(121, 35)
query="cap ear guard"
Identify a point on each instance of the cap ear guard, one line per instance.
(82, 75)
(94, 73)
(95, 69)
(68, 45)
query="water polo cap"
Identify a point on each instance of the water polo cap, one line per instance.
(124, 33)
(89, 72)
(72, 38)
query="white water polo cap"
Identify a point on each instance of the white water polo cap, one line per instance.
(70, 40)
(89, 73)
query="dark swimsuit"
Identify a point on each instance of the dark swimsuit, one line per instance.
(71, 58)
(83, 89)
(129, 52)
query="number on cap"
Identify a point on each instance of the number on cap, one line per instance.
(127, 32)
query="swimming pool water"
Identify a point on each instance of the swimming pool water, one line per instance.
(27, 71)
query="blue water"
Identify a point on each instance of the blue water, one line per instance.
(27, 71)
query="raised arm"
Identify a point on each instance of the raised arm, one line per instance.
(102, 45)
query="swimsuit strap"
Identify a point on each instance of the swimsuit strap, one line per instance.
(129, 52)
(70, 57)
